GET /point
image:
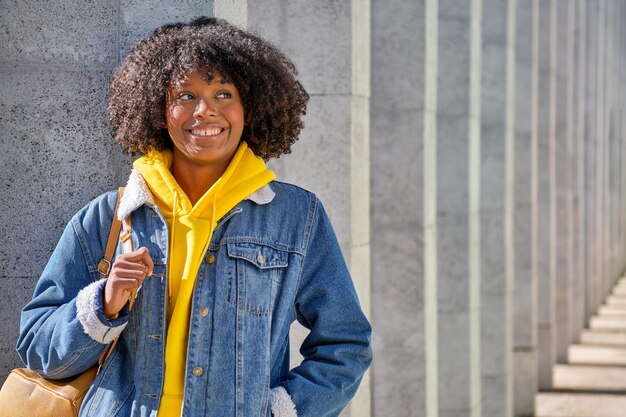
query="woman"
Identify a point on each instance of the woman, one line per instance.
(227, 257)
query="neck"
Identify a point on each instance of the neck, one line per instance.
(195, 179)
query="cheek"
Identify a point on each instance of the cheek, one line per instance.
(236, 116)
(174, 116)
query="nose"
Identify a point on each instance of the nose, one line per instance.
(203, 110)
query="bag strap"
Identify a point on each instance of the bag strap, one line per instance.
(104, 266)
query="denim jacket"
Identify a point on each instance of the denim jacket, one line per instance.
(273, 259)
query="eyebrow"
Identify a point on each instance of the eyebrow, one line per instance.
(186, 84)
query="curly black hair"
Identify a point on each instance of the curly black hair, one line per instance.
(273, 99)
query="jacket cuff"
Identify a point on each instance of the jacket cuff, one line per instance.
(281, 404)
(90, 313)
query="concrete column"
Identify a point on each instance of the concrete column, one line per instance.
(458, 157)
(562, 178)
(613, 161)
(609, 167)
(622, 118)
(332, 156)
(600, 200)
(619, 185)
(580, 245)
(525, 293)
(619, 131)
(621, 81)
(496, 206)
(619, 103)
(396, 117)
(544, 232)
(614, 166)
(590, 160)
(617, 31)
(616, 192)
(606, 172)
(574, 292)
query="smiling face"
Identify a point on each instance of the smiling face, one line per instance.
(204, 120)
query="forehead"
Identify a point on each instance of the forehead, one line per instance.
(198, 77)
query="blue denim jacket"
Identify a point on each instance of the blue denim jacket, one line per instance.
(275, 259)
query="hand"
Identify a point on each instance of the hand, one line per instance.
(127, 275)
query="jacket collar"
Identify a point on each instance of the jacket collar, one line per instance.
(137, 194)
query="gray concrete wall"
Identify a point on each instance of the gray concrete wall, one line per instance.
(57, 150)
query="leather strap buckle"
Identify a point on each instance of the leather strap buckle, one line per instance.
(104, 267)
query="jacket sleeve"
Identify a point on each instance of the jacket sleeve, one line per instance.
(337, 350)
(63, 329)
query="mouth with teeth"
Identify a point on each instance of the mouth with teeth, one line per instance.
(207, 132)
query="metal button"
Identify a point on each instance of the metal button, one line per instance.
(197, 371)
(261, 259)
(204, 311)
(210, 258)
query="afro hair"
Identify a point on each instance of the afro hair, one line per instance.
(273, 99)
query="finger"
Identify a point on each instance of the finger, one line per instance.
(126, 284)
(127, 265)
(142, 256)
(148, 262)
(145, 259)
(137, 255)
(127, 273)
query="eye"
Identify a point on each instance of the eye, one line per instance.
(224, 94)
(184, 97)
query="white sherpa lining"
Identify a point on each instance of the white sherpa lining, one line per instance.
(85, 310)
(281, 404)
(263, 195)
(137, 194)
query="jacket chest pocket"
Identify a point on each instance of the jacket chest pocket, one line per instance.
(254, 276)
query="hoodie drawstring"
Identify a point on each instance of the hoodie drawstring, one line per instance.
(169, 280)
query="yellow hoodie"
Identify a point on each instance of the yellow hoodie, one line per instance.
(191, 228)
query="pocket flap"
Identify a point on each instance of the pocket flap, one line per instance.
(260, 255)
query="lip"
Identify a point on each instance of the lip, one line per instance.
(206, 128)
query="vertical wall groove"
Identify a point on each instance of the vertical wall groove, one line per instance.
(430, 209)
(474, 208)
(509, 203)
